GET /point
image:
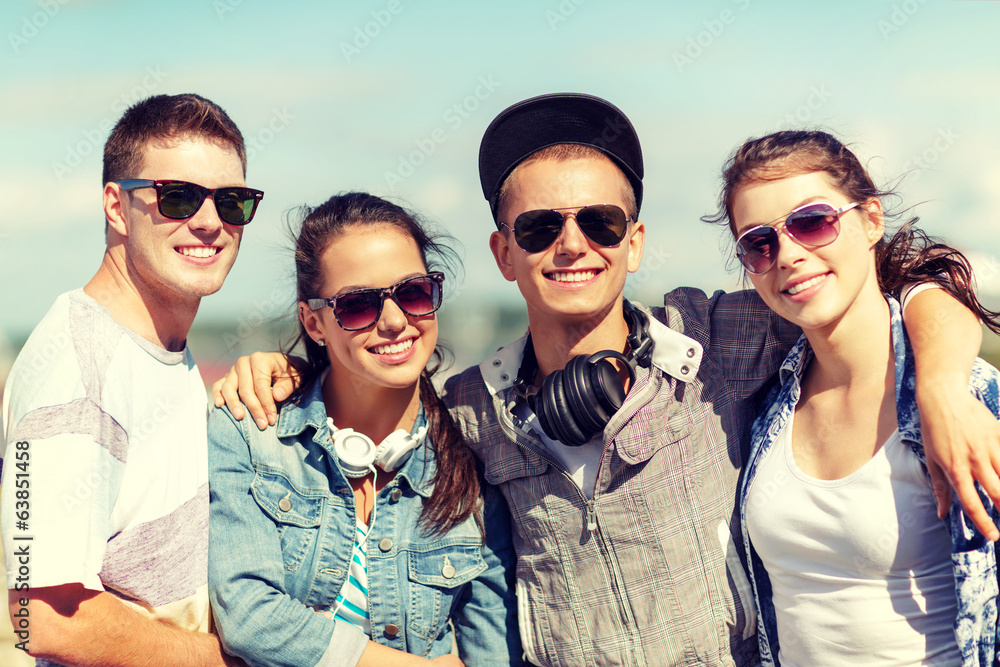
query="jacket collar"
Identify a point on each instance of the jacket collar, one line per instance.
(673, 353)
(310, 412)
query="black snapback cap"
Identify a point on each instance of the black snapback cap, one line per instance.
(557, 118)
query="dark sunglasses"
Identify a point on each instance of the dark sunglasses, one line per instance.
(604, 224)
(360, 309)
(812, 225)
(179, 200)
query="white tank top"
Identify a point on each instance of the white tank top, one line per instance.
(860, 567)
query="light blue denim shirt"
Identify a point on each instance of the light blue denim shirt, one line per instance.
(973, 556)
(282, 524)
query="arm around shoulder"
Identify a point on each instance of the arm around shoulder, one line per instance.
(961, 436)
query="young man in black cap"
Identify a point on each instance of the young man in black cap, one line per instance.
(621, 478)
(628, 553)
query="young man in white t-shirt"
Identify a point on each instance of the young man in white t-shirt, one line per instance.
(104, 491)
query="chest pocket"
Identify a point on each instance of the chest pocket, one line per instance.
(296, 515)
(437, 579)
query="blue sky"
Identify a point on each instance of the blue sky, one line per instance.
(392, 96)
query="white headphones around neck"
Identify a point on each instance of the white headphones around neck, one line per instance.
(358, 453)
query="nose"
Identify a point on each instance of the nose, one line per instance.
(392, 319)
(790, 252)
(571, 240)
(206, 218)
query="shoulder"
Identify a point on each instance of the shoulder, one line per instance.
(47, 372)
(467, 389)
(699, 315)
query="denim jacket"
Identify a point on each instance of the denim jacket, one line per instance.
(973, 556)
(282, 525)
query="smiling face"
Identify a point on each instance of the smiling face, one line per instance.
(574, 279)
(178, 261)
(812, 287)
(393, 352)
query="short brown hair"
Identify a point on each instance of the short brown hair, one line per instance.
(564, 153)
(165, 117)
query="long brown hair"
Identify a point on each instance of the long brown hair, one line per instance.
(456, 481)
(908, 257)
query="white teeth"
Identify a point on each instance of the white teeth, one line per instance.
(199, 251)
(572, 276)
(394, 347)
(795, 289)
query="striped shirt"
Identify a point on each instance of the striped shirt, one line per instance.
(115, 433)
(352, 603)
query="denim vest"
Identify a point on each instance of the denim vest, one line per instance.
(282, 525)
(973, 556)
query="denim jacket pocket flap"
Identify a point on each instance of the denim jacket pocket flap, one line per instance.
(447, 566)
(284, 503)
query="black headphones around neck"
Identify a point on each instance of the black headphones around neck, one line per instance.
(576, 403)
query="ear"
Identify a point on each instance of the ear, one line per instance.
(114, 208)
(874, 218)
(311, 322)
(503, 248)
(636, 243)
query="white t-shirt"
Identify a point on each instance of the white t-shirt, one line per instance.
(109, 431)
(860, 567)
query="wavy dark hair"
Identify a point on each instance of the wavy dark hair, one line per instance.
(910, 256)
(456, 480)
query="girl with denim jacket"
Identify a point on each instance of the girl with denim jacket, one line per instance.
(356, 530)
(849, 562)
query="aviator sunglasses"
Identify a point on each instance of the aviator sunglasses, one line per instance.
(360, 309)
(812, 225)
(604, 224)
(179, 200)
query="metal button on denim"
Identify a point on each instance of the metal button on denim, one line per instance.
(385, 544)
(396, 495)
(448, 571)
(392, 630)
(284, 504)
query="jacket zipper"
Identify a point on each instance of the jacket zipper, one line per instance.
(592, 525)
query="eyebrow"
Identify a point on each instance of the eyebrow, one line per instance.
(804, 202)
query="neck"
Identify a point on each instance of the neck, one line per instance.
(164, 321)
(556, 341)
(371, 409)
(856, 350)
